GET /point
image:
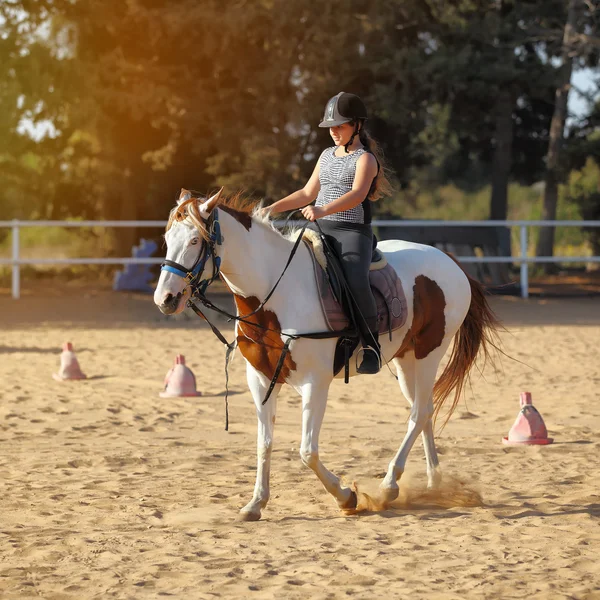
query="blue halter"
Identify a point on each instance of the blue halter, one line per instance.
(207, 250)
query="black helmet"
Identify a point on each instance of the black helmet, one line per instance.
(343, 108)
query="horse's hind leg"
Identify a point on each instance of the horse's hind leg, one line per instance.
(405, 368)
(314, 401)
(434, 473)
(264, 442)
(416, 378)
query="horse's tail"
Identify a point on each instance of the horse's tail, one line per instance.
(478, 333)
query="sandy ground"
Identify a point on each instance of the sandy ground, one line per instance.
(109, 491)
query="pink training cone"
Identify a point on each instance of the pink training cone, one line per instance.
(180, 380)
(69, 366)
(529, 428)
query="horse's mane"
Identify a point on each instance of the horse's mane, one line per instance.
(189, 209)
(242, 203)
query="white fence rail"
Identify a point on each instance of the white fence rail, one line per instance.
(16, 261)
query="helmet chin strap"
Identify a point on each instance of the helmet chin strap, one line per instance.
(354, 134)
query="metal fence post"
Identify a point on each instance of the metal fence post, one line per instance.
(524, 263)
(16, 273)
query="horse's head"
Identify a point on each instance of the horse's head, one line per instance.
(189, 251)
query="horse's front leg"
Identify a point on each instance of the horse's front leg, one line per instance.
(264, 443)
(314, 401)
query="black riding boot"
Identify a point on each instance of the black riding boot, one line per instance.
(371, 362)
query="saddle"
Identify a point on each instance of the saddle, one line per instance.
(337, 306)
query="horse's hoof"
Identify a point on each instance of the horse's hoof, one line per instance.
(388, 495)
(434, 481)
(349, 507)
(249, 515)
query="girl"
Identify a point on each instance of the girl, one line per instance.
(346, 179)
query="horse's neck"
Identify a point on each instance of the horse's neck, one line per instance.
(253, 261)
(253, 258)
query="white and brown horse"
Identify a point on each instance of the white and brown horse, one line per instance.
(443, 305)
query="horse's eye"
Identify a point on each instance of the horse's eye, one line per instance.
(194, 241)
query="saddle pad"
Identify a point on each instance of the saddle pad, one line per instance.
(386, 287)
(378, 260)
(313, 240)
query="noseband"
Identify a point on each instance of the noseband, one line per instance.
(207, 250)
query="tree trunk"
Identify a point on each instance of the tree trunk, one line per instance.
(545, 245)
(120, 204)
(127, 237)
(502, 155)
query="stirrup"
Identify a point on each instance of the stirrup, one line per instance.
(366, 370)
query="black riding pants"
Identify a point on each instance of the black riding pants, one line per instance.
(353, 243)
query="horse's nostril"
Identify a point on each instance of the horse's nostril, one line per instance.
(171, 301)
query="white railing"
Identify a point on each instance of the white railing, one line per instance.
(16, 261)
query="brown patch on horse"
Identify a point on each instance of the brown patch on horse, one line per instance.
(259, 347)
(243, 218)
(428, 327)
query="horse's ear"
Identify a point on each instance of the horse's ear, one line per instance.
(207, 207)
(184, 195)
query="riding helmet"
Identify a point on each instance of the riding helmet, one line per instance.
(343, 108)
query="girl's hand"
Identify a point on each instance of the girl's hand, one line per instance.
(312, 213)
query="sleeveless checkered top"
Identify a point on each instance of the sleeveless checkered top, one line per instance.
(336, 176)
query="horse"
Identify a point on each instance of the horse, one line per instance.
(234, 239)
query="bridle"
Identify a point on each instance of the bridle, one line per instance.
(208, 249)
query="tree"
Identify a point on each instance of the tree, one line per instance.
(545, 246)
(490, 69)
(205, 93)
(148, 96)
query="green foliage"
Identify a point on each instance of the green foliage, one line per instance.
(148, 96)
(61, 242)
(583, 191)
(451, 203)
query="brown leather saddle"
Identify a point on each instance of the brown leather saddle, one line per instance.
(336, 306)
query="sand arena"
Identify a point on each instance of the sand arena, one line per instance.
(112, 492)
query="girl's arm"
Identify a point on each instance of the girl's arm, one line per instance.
(366, 171)
(301, 197)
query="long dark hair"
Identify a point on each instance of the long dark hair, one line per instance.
(381, 184)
